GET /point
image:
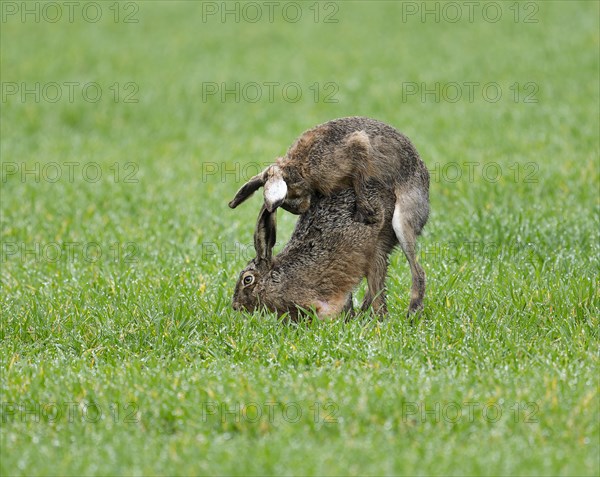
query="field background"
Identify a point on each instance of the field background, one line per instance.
(119, 351)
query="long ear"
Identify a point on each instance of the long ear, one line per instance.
(248, 189)
(265, 234)
(275, 189)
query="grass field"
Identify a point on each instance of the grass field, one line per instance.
(124, 136)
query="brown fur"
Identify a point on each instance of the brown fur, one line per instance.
(359, 153)
(326, 258)
(341, 153)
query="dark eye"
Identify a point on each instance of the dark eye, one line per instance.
(248, 280)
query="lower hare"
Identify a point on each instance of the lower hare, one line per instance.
(326, 258)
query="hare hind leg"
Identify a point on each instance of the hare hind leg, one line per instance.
(375, 294)
(348, 309)
(407, 237)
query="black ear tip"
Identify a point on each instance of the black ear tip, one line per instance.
(232, 204)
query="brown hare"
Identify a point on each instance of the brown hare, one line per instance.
(326, 258)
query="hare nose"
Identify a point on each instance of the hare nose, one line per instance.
(236, 306)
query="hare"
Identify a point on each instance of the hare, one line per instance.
(354, 154)
(338, 154)
(326, 258)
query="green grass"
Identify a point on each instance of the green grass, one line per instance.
(116, 293)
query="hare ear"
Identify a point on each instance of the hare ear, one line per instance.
(248, 189)
(265, 234)
(275, 189)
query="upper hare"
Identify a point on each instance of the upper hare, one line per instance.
(338, 154)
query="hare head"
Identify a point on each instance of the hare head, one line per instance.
(251, 279)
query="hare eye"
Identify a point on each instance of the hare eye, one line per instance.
(248, 280)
